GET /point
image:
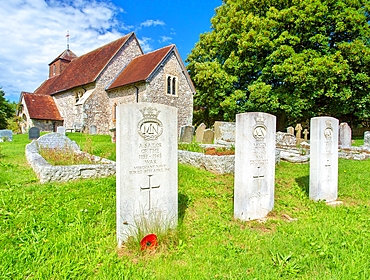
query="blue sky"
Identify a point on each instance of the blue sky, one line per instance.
(33, 32)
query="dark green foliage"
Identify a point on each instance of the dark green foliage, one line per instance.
(295, 59)
(6, 110)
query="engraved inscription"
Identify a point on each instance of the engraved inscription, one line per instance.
(149, 188)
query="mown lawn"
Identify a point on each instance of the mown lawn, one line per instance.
(67, 230)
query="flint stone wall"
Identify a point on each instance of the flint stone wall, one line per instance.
(50, 173)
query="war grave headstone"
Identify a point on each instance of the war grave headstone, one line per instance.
(33, 133)
(147, 182)
(61, 130)
(92, 129)
(367, 138)
(224, 133)
(208, 136)
(254, 165)
(186, 133)
(199, 132)
(6, 135)
(324, 159)
(345, 135)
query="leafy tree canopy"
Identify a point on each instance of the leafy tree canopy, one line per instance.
(295, 59)
(6, 110)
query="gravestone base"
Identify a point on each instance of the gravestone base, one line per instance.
(334, 203)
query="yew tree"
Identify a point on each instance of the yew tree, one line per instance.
(294, 59)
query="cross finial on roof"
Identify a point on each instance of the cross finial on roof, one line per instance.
(67, 39)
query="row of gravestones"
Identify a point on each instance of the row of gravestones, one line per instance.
(147, 174)
(225, 133)
(34, 132)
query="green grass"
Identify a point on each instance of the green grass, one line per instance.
(67, 230)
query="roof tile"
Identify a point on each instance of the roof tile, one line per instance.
(41, 107)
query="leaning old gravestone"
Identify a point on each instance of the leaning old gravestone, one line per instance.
(199, 132)
(290, 130)
(186, 133)
(6, 135)
(146, 168)
(254, 165)
(345, 135)
(324, 159)
(208, 136)
(33, 133)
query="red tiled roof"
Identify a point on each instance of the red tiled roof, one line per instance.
(141, 67)
(66, 55)
(84, 69)
(41, 107)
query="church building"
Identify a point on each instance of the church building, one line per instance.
(83, 91)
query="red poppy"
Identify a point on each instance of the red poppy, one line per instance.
(149, 242)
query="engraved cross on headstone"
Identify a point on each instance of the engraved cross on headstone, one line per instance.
(258, 177)
(149, 189)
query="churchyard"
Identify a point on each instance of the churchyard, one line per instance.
(68, 230)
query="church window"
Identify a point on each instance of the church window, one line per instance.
(54, 69)
(171, 83)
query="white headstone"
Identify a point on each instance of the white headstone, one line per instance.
(290, 130)
(345, 135)
(92, 129)
(147, 183)
(61, 130)
(324, 159)
(254, 165)
(6, 135)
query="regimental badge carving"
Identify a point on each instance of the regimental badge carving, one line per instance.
(259, 130)
(150, 127)
(328, 132)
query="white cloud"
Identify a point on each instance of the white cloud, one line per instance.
(145, 44)
(165, 39)
(33, 33)
(151, 22)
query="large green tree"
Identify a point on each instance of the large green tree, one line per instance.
(295, 59)
(6, 110)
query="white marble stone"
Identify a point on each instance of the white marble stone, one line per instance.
(147, 181)
(254, 165)
(61, 130)
(324, 159)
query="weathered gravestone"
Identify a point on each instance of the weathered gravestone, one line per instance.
(92, 129)
(61, 130)
(147, 186)
(186, 133)
(290, 130)
(345, 135)
(6, 135)
(254, 165)
(208, 136)
(224, 133)
(305, 133)
(33, 133)
(285, 140)
(324, 159)
(199, 132)
(367, 138)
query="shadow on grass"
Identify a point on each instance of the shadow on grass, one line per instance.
(183, 205)
(304, 183)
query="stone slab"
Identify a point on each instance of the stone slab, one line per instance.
(147, 180)
(324, 159)
(254, 165)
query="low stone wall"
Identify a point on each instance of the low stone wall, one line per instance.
(50, 173)
(215, 164)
